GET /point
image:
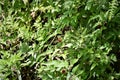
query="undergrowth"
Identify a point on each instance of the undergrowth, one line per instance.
(59, 40)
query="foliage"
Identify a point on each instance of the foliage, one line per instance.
(59, 39)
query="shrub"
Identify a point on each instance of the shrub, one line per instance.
(59, 39)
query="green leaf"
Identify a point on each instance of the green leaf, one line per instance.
(25, 1)
(93, 66)
(24, 47)
(113, 57)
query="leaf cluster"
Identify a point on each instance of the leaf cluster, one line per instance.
(59, 39)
